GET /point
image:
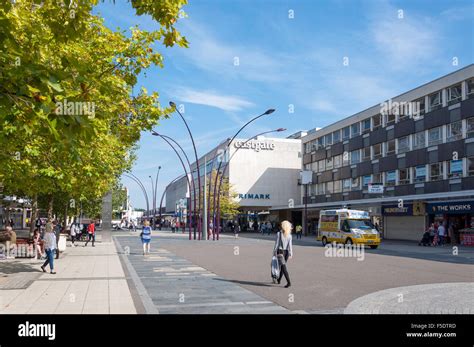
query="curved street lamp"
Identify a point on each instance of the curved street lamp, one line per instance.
(267, 112)
(142, 187)
(164, 193)
(173, 105)
(154, 133)
(184, 168)
(223, 174)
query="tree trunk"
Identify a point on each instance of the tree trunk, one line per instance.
(50, 207)
(34, 215)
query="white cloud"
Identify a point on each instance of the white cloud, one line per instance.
(210, 98)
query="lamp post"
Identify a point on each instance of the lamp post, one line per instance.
(182, 164)
(267, 112)
(189, 165)
(140, 184)
(225, 168)
(164, 192)
(153, 203)
(173, 105)
(154, 199)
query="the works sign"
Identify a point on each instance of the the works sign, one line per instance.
(453, 207)
(257, 146)
(255, 196)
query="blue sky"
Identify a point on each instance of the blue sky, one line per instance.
(290, 61)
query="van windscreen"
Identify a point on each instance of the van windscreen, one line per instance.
(360, 224)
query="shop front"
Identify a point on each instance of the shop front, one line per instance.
(403, 222)
(458, 218)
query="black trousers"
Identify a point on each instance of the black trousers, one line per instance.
(91, 238)
(283, 268)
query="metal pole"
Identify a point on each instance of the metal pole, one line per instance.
(140, 184)
(204, 203)
(153, 203)
(156, 194)
(306, 211)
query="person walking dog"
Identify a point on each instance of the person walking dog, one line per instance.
(283, 249)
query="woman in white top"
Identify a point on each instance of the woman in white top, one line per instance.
(284, 250)
(73, 234)
(50, 247)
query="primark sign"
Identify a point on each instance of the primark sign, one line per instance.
(257, 146)
(255, 196)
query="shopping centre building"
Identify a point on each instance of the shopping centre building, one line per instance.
(409, 161)
(262, 172)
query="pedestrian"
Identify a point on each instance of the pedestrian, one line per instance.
(236, 230)
(441, 234)
(431, 230)
(211, 227)
(299, 231)
(50, 247)
(269, 228)
(146, 237)
(37, 245)
(91, 234)
(73, 232)
(283, 249)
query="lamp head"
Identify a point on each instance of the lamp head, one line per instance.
(269, 111)
(154, 133)
(281, 129)
(172, 104)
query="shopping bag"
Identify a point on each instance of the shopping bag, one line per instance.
(275, 268)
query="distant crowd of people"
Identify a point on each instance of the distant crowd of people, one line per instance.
(439, 234)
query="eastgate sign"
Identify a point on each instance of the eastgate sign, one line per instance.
(257, 146)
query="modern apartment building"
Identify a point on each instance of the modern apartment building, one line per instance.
(409, 161)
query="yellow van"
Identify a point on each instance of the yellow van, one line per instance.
(348, 227)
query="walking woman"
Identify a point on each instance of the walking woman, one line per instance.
(37, 245)
(146, 237)
(50, 247)
(284, 250)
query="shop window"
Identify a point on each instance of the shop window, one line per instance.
(355, 129)
(366, 180)
(470, 88)
(454, 131)
(390, 178)
(328, 139)
(366, 153)
(455, 168)
(336, 136)
(337, 186)
(420, 173)
(436, 171)
(404, 176)
(419, 140)
(355, 157)
(356, 183)
(403, 144)
(470, 127)
(376, 121)
(390, 147)
(470, 166)
(366, 125)
(435, 136)
(435, 101)
(377, 149)
(454, 94)
(346, 133)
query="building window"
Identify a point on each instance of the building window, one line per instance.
(337, 186)
(366, 180)
(390, 147)
(470, 166)
(329, 163)
(366, 125)
(346, 185)
(356, 183)
(436, 171)
(418, 107)
(420, 173)
(328, 139)
(321, 189)
(389, 119)
(336, 136)
(403, 144)
(307, 167)
(313, 190)
(470, 88)
(390, 178)
(454, 131)
(404, 176)
(419, 140)
(338, 161)
(454, 94)
(355, 157)
(366, 153)
(346, 133)
(321, 165)
(377, 178)
(435, 101)
(377, 121)
(307, 147)
(355, 129)
(455, 168)
(435, 136)
(329, 187)
(321, 142)
(314, 166)
(470, 127)
(377, 149)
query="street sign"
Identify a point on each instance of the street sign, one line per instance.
(375, 188)
(306, 177)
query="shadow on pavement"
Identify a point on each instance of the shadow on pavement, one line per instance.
(249, 283)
